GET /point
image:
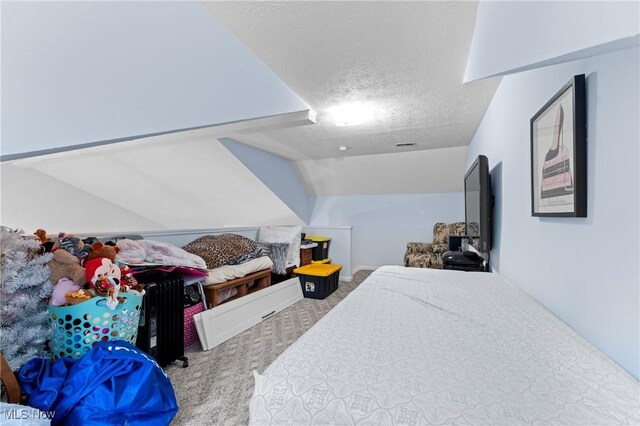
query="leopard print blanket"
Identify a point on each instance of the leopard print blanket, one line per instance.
(218, 250)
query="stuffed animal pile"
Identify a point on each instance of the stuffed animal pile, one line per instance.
(82, 269)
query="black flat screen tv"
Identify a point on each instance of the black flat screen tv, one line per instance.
(478, 203)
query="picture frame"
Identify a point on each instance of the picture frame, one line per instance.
(559, 154)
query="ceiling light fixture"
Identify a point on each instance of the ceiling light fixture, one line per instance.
(405, 144)
(353, 113)
(342, 148)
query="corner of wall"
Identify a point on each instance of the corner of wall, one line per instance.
(277, 173)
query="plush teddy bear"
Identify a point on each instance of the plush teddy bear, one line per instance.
(72, 244)
(64, 264)
(127, 281)
(101, 250)
(64, 286)
(45, 242)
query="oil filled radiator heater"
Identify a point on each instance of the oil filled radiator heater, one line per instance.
(161, 329)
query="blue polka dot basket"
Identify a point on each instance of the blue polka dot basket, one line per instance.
(77, 328)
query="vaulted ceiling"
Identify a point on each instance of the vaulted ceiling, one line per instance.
(158, 67)
(77, 75)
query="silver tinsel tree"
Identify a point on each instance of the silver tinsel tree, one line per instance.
(24, 290)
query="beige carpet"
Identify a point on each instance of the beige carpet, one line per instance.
(218, 384)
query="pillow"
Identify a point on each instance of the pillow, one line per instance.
(278, 255)
(218, 250)
(284, 234)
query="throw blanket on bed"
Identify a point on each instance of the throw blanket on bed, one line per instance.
(258, 252)
(218, 250)
(228, 272)
(423, 346)
(141, 252)
(278, 254)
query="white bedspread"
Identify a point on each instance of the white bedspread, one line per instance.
(229, 272)
(421, 346)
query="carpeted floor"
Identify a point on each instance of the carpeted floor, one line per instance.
(218, 384)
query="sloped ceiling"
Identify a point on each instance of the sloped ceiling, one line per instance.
(93, 73)
(137, 187)
(75, 73)
(85, 72)
(512, 37)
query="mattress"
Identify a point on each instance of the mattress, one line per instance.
(229, 272)
(422, 346)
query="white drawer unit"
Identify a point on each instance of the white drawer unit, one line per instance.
(221, 323)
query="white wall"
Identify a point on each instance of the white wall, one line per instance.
(410, 172)
(584, 270)
(80, 72)
(382, 225)
(518, 35)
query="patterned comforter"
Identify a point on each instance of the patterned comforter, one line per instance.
(420, 346)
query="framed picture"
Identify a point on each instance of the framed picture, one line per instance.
(559, 154)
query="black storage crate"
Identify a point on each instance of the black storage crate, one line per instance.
(320, 252)
(276, 278)
(318, 287)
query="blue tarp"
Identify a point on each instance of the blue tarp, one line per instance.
(115, 383)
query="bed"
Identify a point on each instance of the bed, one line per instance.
(422, 346)
(229, 272)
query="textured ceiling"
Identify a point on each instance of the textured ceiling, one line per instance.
(406, 59)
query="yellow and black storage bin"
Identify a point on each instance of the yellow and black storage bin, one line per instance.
(318, 280)
(320, 252)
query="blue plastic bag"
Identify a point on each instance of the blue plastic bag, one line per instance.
(115, 383)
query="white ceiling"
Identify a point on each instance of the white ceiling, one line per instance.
(407, 59)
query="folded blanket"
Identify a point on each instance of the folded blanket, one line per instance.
(130, 252)
(259, 252)
(156, 253)
(229, 272)
(226, 293)
(218, 250)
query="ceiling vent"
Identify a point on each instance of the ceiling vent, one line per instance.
(405, 144)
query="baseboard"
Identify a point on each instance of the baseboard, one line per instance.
(346, 279)
(363, 268)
